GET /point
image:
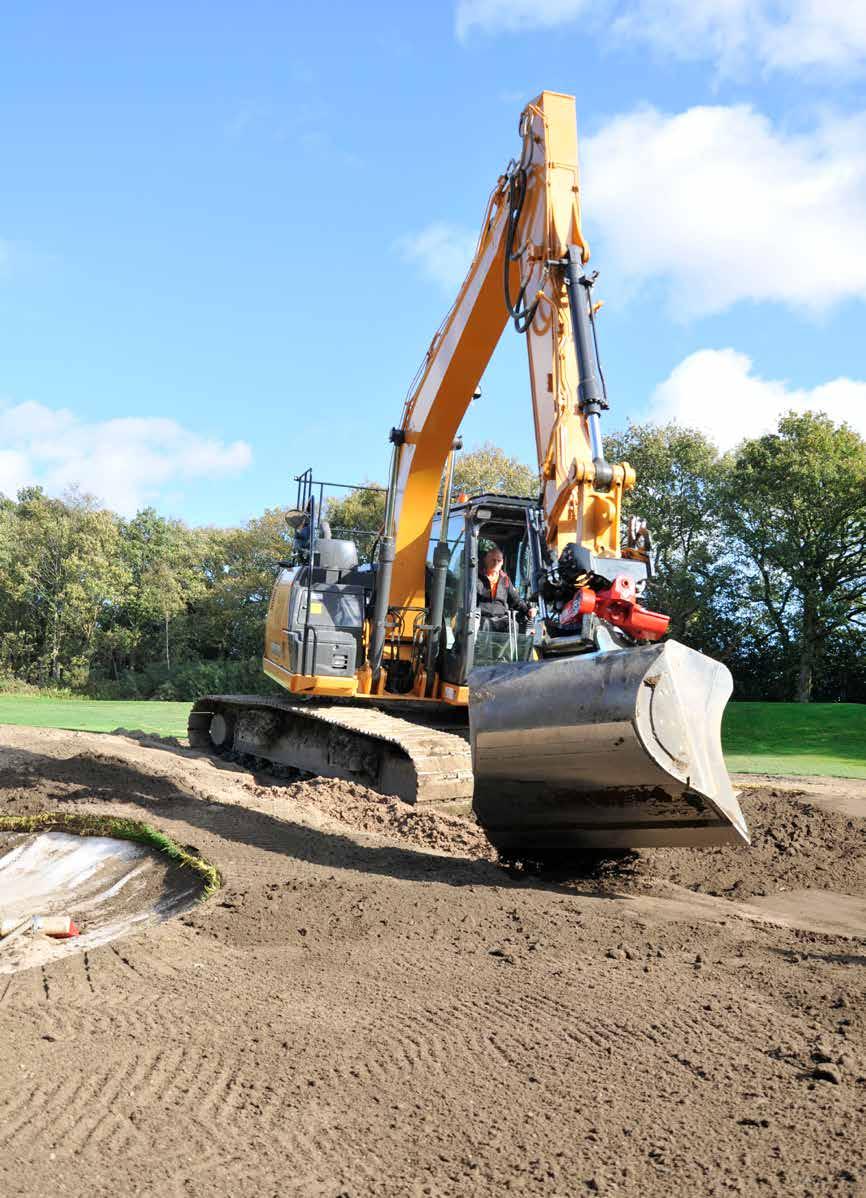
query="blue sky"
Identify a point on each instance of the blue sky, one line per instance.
(228, 232)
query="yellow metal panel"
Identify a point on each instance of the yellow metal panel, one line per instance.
(321, 684)
(457, 696)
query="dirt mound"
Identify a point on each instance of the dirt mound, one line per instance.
(371, 1007)
(795, 845)
(369, 811)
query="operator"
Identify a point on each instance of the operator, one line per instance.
(497, 594)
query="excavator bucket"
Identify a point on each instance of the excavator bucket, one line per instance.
(609, 750)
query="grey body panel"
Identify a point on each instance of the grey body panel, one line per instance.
(329, 641)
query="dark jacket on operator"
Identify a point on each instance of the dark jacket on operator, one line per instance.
(506, 598)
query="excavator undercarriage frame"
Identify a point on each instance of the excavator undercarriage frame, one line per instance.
(420, 759)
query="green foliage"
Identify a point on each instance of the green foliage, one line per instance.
(358, 516)
(10, 685)
(136, 608)
(188, 680)
(679, 477)
(760, 555)
(61, 571)
(489, 468)
(795, 500)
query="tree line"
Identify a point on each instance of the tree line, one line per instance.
(760, 559)
(131, 608)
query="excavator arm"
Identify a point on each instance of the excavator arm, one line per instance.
(531, 226)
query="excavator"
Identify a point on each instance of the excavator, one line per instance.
(586, 728)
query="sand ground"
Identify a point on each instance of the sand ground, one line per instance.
(372, 1006)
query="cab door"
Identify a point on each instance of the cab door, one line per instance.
(453, 640)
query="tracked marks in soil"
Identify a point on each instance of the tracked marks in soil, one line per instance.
(87, 973)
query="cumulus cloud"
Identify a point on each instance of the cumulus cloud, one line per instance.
(725, 207)
(125, 462)
(788, 36)
(714, 206)
(14, 471)
(829, 34)
(441, 252)
(718, 391)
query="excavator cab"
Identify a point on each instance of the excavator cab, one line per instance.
(467, 640)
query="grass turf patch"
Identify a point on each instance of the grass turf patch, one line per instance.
(95, 715)
(85, 824)
(796, 738)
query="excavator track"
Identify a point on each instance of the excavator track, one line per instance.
(410, 758)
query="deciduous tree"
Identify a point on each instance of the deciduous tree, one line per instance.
(489, 468)
(679, 475)
(796, 501)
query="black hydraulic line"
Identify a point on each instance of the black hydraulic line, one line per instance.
(441, 558)
(312, 518)
(380, 607)
(520, 312)
(591, 394)
(470, 600)
(387, 550)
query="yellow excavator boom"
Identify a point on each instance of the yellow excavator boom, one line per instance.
(532, 218)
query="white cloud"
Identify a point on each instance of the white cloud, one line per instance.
(441, 251)
(726, 207)
(724, 31)
(14, 471)
(776, 34)
(829, 34)
(711, 206)
(511, 16)
(125, 462)
(717, 391)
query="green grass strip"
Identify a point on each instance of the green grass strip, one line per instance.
(86, 824)
(95, 715)
(826, 739)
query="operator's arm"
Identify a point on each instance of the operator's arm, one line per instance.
(512, 598)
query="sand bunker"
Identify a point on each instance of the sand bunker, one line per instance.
(108, 887)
